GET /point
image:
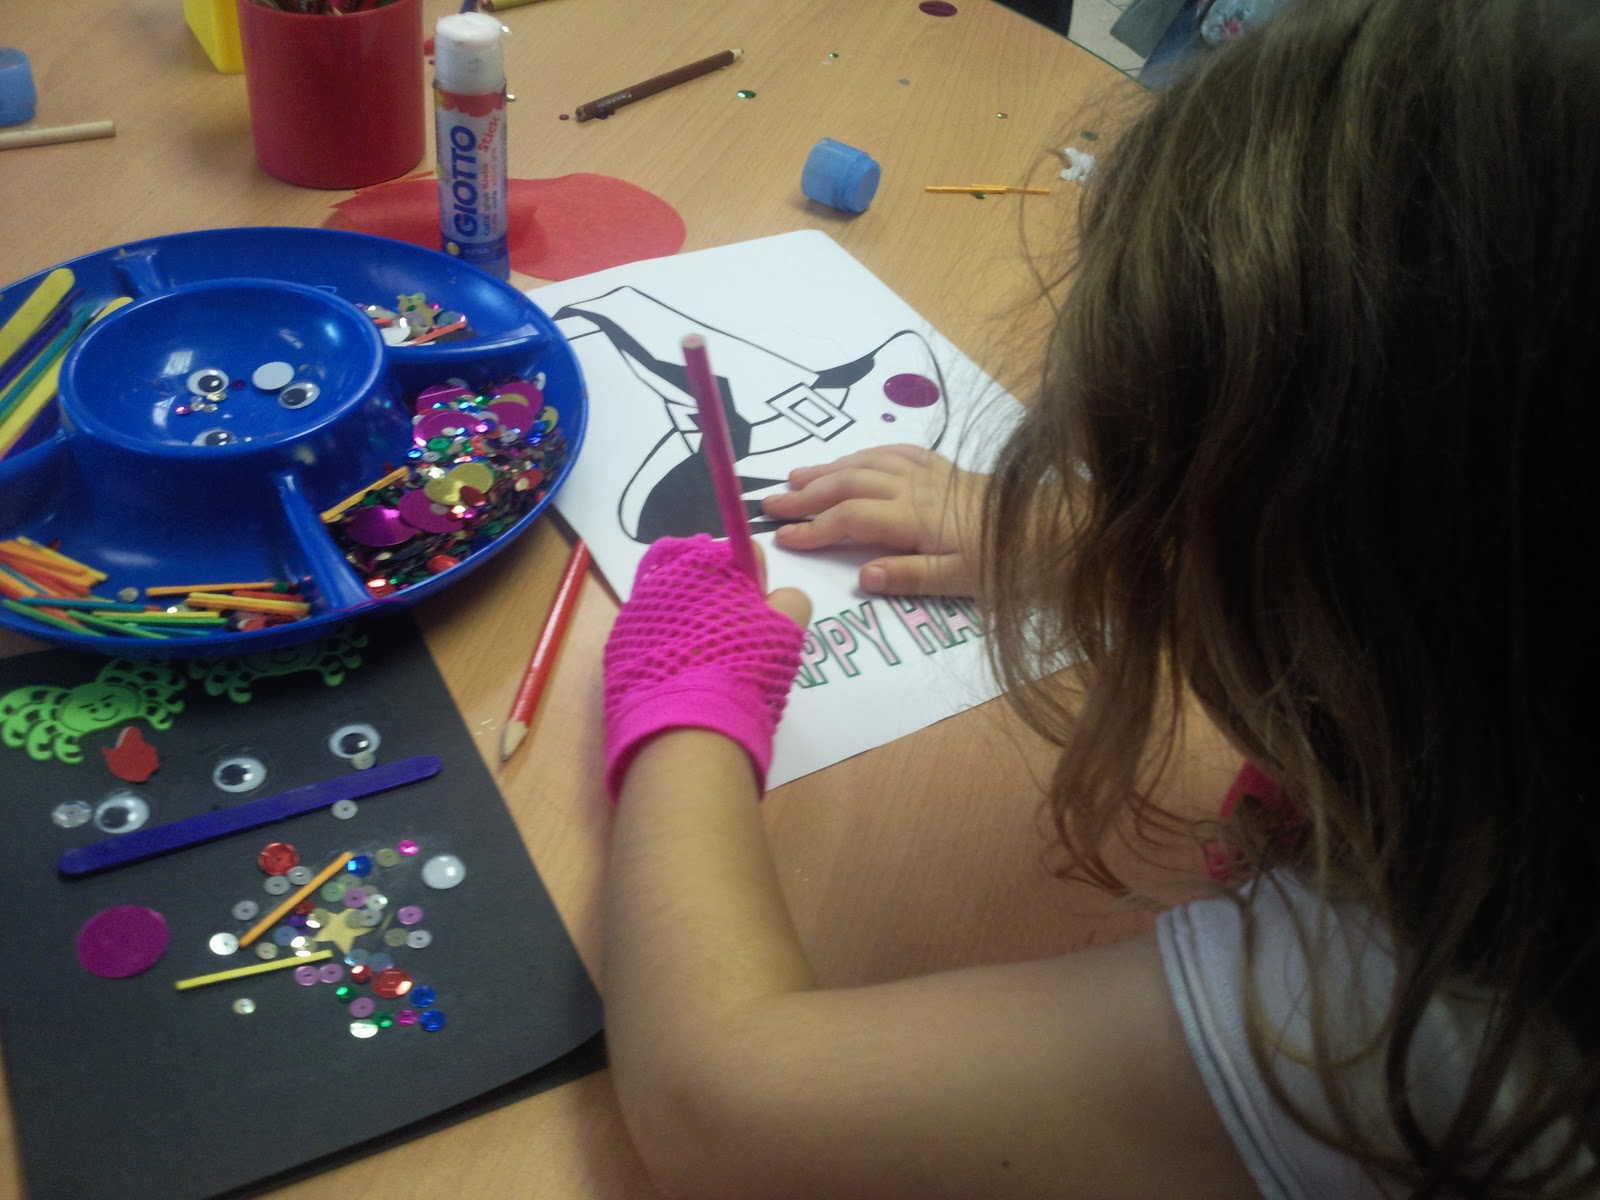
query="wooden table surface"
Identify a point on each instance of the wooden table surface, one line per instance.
(922, 854)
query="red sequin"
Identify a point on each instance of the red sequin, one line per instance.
(391, 983)
(277, 858)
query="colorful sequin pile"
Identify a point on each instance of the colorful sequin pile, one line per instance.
(478, 462)
(414, 321)
(318, 940)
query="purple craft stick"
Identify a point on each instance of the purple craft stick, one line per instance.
(207, 827)
(22, 358)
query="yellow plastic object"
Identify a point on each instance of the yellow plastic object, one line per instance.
(216, 24)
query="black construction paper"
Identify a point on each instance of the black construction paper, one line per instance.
(127, 1089)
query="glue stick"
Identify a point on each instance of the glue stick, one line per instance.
(469, 130)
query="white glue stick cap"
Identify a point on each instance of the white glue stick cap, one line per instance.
(468, 57)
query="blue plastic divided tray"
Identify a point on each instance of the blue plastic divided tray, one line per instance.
(128, 474)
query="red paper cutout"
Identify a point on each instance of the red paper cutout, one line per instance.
(559, 228)
(132, 759)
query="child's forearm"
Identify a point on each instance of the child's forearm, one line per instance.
(693, 894)
(697, 931)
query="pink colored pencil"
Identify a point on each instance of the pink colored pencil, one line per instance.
(717, 448)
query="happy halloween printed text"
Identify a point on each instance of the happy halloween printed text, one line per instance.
(834, 646)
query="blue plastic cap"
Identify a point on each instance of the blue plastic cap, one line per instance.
(840, 176)
(17, 97)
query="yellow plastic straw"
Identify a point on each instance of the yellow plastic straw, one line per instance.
(293, 898)
(261, 968)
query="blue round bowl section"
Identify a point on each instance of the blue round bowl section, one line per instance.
(204, 428)
(206, 391)
(140, 379)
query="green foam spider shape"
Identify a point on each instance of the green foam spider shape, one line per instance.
(332, 658)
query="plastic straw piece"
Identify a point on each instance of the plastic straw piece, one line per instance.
(294, 897)
(183, 589)
(394, 476)
(260, 968)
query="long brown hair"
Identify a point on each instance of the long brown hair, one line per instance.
(1316, 443)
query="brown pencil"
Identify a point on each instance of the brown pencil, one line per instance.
(607, 105)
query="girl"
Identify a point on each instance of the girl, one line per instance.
(1313, 446)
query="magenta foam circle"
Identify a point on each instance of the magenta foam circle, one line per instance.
(122, 941)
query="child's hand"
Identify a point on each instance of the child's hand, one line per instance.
(699, 645)
(904, 497)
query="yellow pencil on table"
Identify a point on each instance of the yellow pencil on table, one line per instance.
(984, 189)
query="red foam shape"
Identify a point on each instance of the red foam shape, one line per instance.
(559, 228)
(132, 758)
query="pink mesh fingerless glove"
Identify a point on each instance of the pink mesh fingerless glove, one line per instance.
(696, 645)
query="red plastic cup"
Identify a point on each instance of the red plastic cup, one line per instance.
(336, 100)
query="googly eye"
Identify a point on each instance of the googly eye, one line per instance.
(299, 394)
(357, 743)
(121, 812)
(239, 773)
(215, 437)
(207, 381)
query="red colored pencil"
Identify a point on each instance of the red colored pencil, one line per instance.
(544, 651)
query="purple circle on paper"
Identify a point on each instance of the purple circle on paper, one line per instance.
(911, 391)
(938, 8)
(122, 941)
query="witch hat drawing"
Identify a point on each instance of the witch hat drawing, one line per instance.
(780, 414)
